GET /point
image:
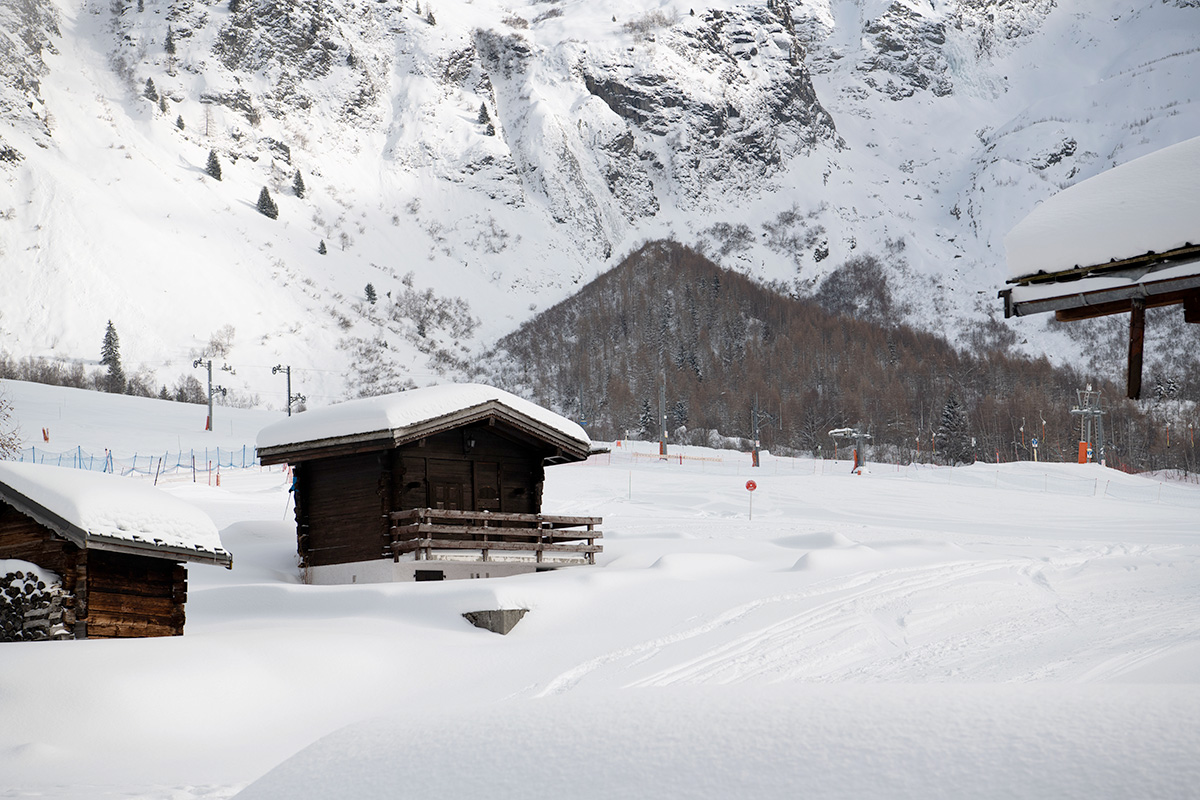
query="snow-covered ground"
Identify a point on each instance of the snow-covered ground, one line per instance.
(1014, 630)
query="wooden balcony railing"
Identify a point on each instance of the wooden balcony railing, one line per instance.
(423, 530)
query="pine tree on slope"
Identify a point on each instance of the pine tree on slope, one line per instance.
(110, 356)
(213, 168)
(266, 206)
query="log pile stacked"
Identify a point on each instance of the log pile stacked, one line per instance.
(31, 610)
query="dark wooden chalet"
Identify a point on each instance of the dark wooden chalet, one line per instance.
(118, 547)
(434, 483)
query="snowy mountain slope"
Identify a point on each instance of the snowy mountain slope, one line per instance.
(502, 153)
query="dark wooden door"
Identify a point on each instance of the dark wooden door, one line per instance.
(449, 484)
(487, 486)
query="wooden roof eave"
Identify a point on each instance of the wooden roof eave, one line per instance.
(113, 544)
(569, 447)
(325, 448)
(92, 541)
(1103, 302)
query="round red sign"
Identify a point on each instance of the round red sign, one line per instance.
(751, 486)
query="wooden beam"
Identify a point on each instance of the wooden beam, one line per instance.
(1189, 252)
(1099, 302)
(1191, 307)
(1120, 306)
(1137, 334)
(454, 544)
(522, 534)
(532, 520)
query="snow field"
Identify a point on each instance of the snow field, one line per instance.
(871, 635)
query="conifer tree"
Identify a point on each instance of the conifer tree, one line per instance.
(213, 168)
(370, 293)
(266, 206)
(298, 184)
(179, 124)
(321, 248)
(953, 439)
(646, 419)
(150, 93)
(170, 46)
(162, 104)
(110, 356)
(485, 119)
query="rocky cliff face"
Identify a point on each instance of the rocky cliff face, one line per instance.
(503, 153)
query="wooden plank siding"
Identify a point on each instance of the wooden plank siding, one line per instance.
(447, 471)
(339, 507)
(24, 538)
(134, 596)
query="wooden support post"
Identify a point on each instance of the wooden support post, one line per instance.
(486, 553)
(1191, 308)
(1137, 333)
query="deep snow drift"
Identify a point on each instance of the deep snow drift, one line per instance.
(996, 631)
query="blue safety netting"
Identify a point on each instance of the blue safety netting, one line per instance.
(144, 463)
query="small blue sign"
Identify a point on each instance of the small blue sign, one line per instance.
(1035, 443)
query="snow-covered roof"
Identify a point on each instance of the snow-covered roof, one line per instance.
(419, 412)
(104, 512)
(1150, 204)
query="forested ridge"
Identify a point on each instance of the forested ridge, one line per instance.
(718, 340)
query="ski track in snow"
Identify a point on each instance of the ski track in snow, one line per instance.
(862, 629)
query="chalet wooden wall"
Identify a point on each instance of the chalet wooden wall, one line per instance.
(473, 469)
(24, 538)
(134, 596)
(340, 507)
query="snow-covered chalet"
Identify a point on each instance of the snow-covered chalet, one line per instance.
(109, 552)
(430, 484)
